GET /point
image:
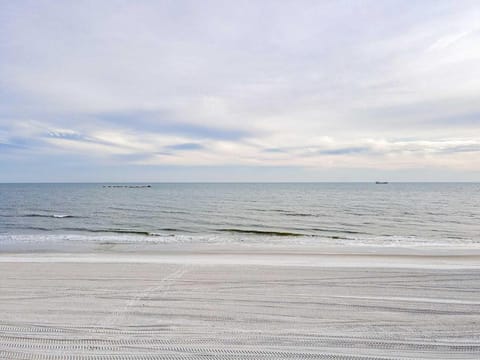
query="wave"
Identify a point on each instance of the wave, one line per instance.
(340, 231)
(105, 231)
(87, 241)
(261, 232)
(298, 214)
(42, 215)
(124, 231)
(37, 228)
(112, 231)
(285, 212)
(56, 216)
(226, 230)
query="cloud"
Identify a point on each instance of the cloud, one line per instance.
(344, 151)
(158, 122)
(274, 150)
(451, 39)
(186, 147)
(7, 146)
(293, 84)
(67, 135)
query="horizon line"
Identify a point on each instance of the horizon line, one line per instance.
(239, 182)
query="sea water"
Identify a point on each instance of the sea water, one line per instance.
(352, 214)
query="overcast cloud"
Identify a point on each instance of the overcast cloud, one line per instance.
(240, 90)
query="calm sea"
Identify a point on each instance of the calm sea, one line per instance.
(395, 214)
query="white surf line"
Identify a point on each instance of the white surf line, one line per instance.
(117, 316)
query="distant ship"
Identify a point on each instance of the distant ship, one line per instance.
(381, 182)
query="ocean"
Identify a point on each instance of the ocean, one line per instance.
(58, 216)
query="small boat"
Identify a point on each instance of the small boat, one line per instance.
(381, 182)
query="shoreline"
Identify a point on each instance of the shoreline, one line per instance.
(319, 256)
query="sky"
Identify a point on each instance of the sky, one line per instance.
(239, 90)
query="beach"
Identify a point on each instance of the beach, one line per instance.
(239, 180)
(239, 303)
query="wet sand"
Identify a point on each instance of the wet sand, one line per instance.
(238, 305)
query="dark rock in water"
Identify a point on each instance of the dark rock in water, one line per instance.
(128, 186)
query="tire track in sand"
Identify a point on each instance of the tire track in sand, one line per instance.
(164, 285)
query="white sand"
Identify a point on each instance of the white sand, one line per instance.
(245, 304)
